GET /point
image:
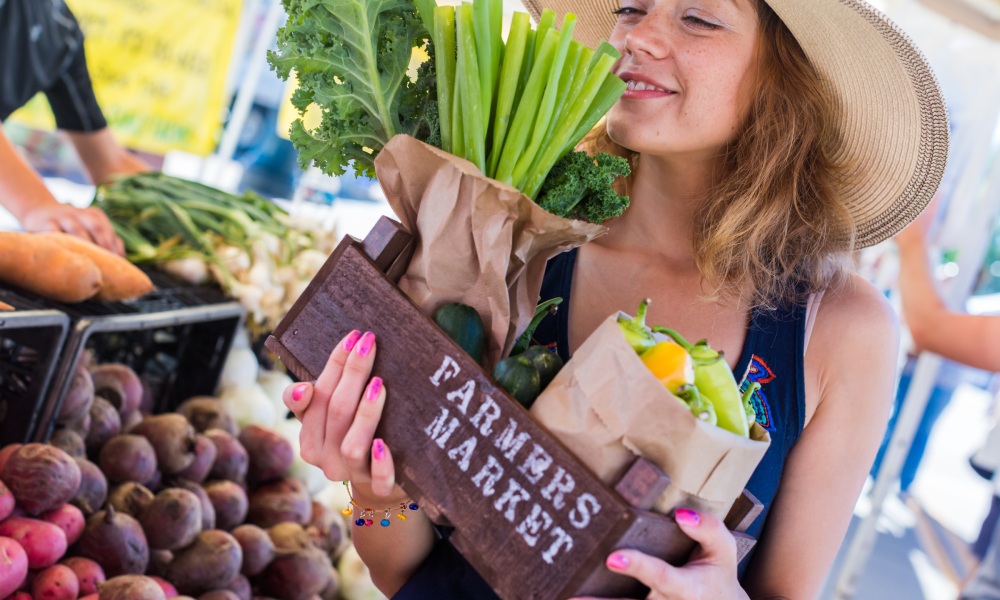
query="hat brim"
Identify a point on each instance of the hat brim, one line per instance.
(890, 112)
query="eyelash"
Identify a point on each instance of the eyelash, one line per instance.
(626, 11)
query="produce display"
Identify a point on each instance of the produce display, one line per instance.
(186, 504)
(247, 244)
(515, 109)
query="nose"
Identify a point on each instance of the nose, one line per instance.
(649, 36)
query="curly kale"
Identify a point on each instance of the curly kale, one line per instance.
(351, 59)
(579, 186)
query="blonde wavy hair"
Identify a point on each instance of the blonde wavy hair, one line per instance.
(771, 230)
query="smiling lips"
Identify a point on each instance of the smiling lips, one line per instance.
(638, 88)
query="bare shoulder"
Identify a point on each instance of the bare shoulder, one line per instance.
(853, 310)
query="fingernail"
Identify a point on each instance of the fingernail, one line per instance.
(299, 391)
(686, 516)
(374, 387)
(617, 561)
(351, 339)
(378, 449)
(366, 343)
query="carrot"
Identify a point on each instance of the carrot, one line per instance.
(121, 280)
(35, 263)
(5, 307)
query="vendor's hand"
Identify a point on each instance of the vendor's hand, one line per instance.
(339, 413)
(90, 224)
(709, 574)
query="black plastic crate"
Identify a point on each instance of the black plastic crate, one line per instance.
(31, 343)
(176, 338)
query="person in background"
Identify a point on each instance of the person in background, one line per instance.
(41, 50)
(960, 337)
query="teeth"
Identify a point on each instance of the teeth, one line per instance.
(641, 86)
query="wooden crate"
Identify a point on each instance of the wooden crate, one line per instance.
(532, 520)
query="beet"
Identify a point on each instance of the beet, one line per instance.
(6, 452)
(81, 426)
(230, 503)
(127, 457)
(168, 588)
(131, 587)
(105, 423)
(332, 589)
(158, 561)
(88, 573)
(205, 412)
(240, 586)
(219, 595)
(298, 561)
(131, 421)
(130, 498)
(120, 385)
(93, 490)
(231, 459)
(173, 439)
(78, 398)
(271, 455)
(116, 542)
(324, 528)
(207, 509)
(213, 560)
(258, 549)
(41, 477)
(155, 482)
(172, 520)
(69, 441)
(283, 500)
(204, 458)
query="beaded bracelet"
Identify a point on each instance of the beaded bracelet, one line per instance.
(367, 516)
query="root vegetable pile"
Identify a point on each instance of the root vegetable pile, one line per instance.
(176, 505)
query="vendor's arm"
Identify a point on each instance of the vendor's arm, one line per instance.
(103, 157)
(23, 193)
(958, 336)
(850, 376)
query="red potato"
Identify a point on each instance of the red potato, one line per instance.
(13, 566)
(42, 477)
(6, 452)
(68, 518)
(57, 582)
(6, 502)
(88, 573)
(20, 596)
(271, 455)
(168, 588)
(131, 587)
(119, 385)
(43, 542)
(231, 459)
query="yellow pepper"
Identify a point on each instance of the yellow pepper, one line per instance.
(671, 364)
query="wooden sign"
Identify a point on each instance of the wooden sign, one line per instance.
(528, 516)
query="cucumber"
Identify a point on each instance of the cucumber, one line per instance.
(546, 361)
(518, 375)
(463, 324)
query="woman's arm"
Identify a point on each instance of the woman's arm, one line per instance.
(850, 376)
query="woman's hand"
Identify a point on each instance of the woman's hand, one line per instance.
(710, 573)
(339, 413)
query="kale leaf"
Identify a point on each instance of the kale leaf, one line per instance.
(580, 186)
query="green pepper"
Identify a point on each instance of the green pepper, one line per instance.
(748, 405)
(714, 380)
(701, 409)
(637, 334)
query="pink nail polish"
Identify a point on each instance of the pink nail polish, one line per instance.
(686, 516)
(351, 339)
(298, 392)
(374, 387)
(378, 449)
(617, 562)
(366, 344)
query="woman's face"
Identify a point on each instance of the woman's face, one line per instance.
(685, 63)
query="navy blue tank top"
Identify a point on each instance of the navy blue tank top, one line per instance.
(772, 356)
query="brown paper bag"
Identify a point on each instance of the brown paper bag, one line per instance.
(608, 408)
(479, 242)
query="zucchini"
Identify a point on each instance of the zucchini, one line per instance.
(518, 375)
(463, 324)
(546, 362)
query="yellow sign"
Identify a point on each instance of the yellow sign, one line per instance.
(159, 70)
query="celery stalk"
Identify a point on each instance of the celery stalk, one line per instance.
(527, 108)
(546, 21)
(526, 64)
(444, 55)
(546, 108)
(481, 13)
(508, 84)
(574, 75)
(457, 121)
(575, 112)
(469, 85)
(611, 90)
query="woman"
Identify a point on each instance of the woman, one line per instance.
(759, 165)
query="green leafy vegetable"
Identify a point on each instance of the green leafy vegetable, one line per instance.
(351, 59)
(579, 186)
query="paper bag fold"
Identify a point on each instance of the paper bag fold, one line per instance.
(478, 241)
(608, 408)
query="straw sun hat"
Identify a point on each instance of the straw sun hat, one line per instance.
(892, 117)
